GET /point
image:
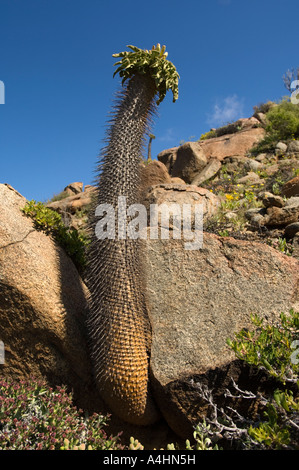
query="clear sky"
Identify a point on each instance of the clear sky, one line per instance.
(56, 64)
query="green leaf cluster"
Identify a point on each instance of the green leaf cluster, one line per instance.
(73, 241)
(282, 125)
(270, 432)
(152, 63)
(270, 346)
(273, 433)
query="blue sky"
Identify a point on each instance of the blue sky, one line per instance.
(56, 64)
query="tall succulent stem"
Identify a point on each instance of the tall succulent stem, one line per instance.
(118, 322)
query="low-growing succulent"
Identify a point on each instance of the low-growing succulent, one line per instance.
(34, 416)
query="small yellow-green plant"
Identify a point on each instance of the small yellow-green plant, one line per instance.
(282, 245)
(270, 346)
(271, 432)
(48, 220)
(201, 437)
(77, 446)
(208, 135)
(135, 444)
(201, 440)
(273, 348)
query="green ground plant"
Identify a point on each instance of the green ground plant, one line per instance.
(235, 203)
(270, 346)
(34, 416)
(273, 349)
(283, 120)
(73, 241)
(282, 245)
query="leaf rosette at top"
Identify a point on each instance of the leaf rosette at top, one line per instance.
(151, 62)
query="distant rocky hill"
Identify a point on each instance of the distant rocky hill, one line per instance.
(244, 195)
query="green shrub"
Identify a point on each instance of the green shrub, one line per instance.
(282, 125)
(263, 107)
(59, 196)
(270, 346)
(34, 416)
(283, 120)
(273, 348)
(73, 241)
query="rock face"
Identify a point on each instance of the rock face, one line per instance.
(42, 305)
(232, 144)
(195, 162)
(190, 160)
(168, 158)
(208, 172)
(197, 300)
(183, 194)
(276, 212)
(291, 188)
(293, 147)
(74, 188)
(70, 204)
(153, 173)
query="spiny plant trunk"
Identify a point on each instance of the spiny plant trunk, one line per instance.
(118, 323)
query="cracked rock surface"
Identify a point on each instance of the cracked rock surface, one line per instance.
(198, 299)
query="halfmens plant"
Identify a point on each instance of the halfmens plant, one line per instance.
(118, 322)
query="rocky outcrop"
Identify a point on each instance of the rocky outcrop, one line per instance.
(210, 170)
(192, 158)
(293, 147)
(168, 158)
(74, 188)
(152, 173)
(197, 300)
(235, 140)
(183, 194)
(291, 187)
(42, 305)
(77, 199)
(231, 145)
(276, 212)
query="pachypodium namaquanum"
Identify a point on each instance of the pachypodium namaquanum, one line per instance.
(118, 323)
